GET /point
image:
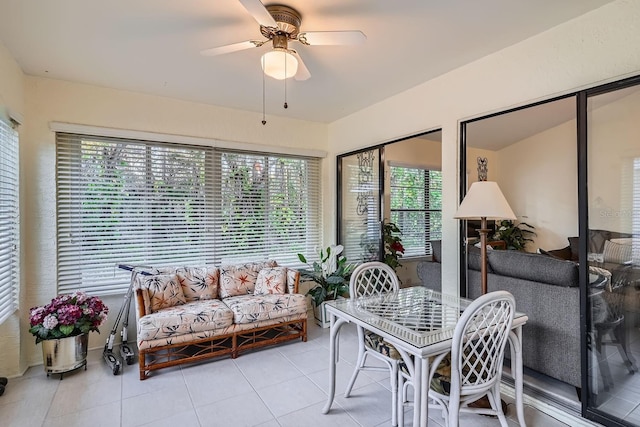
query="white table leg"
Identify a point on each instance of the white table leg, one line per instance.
(515, 341)
(336, 324)
(421, 392)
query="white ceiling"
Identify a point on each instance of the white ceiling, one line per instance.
(152, 46)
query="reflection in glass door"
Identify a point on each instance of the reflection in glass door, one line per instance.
(613, 253)
(359, 216)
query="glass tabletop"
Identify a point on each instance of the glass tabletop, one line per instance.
(416, 315)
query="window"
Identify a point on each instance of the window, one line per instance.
(9, 221)
(149, 203)
(416, 207)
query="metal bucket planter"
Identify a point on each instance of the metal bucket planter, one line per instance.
(65, 354)
(322, 317)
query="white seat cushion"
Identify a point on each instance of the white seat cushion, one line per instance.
(196, 316)
(249, 308)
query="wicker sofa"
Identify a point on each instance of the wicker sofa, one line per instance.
(187, 314)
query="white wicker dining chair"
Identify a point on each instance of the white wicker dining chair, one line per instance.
(477, 353)
(370, 279)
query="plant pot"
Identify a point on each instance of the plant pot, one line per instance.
(65, 354)
(322, 317)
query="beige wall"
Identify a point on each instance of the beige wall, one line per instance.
(539, 179)
(614, 143)
(597, 47)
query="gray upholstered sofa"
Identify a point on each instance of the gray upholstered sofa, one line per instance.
(546, 289)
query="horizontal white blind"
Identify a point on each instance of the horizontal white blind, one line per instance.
(141, 202)
(9, 221)
(416, 207)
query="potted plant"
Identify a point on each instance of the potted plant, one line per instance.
(63, 326)
(331, 274)
(515, 236)
(393, 249)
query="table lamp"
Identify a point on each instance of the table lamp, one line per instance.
(483, 201)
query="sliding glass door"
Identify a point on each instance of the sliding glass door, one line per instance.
(613, 251)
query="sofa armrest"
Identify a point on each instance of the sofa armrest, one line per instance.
(140, 303)
(293, 281)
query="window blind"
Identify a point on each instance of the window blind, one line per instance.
(150, 203)
(416, 207)
(9, 221)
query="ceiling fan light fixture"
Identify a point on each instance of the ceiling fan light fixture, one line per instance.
(279, 63)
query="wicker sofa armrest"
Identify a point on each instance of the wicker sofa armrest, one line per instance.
(293, 281)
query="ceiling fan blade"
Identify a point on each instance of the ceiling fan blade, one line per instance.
(303, 72)
(259, 12)
(229, 48)
(316, 38)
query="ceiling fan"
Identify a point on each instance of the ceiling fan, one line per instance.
(280, 25)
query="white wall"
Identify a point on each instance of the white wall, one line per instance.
(596, 47)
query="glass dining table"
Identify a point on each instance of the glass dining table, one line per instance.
(420, 323)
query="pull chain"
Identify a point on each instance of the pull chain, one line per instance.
(264, 120)
(285, 82)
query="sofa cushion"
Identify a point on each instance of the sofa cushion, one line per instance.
(250, 308)
(163, 291)
(616, 252)
(240, 279)
(198, 283)
(534, 267)
(197, 316)
(271, 281)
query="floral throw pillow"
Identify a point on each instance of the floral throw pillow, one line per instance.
(199, 283)
(164, 291)
(271, 281)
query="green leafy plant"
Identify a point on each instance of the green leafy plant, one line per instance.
(331, 274)
(393, 249)
(516, 236)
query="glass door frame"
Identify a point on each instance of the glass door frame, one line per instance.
(381, 178)
(583, 227)
(581, 96)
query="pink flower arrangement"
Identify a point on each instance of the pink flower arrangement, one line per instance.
(67, 316)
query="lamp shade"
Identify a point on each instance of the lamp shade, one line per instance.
(279, 64)
(484, 200)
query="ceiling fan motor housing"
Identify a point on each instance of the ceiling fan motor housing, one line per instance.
(287, 19)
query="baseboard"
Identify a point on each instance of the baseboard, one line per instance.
(543, 402)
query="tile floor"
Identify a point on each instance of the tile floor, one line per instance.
(282, 386)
